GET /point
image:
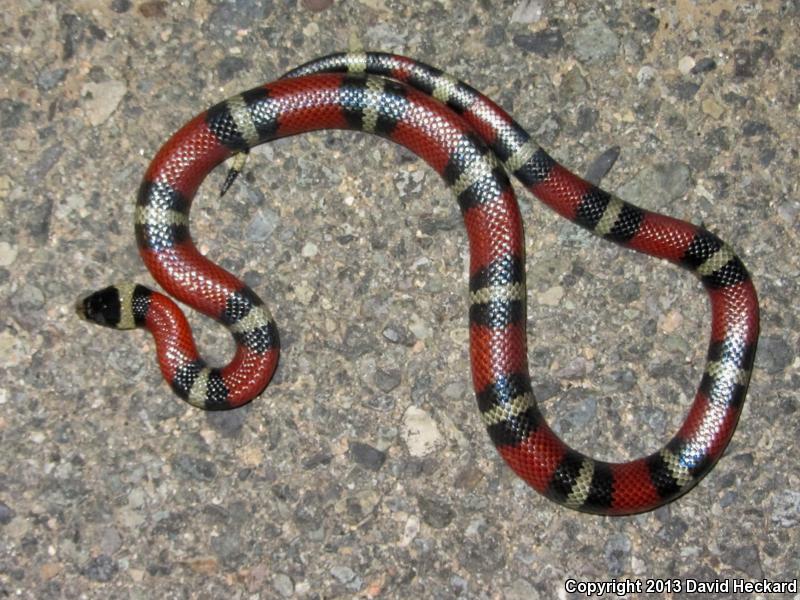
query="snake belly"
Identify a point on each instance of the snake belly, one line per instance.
(473, 144)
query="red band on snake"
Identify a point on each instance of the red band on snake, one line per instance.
(472, 143)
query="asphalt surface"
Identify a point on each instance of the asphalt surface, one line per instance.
(364, 470)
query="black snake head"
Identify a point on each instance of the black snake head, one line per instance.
(101, 307)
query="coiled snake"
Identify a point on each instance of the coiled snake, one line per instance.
(472, 143)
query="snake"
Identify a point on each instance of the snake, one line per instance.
(475, 146)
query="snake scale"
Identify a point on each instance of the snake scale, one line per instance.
(473, 144)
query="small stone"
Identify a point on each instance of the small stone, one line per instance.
(283, 585)
(435, 513)
(42, 165)
(544, 43)
(617, 553)
(120, 6)
(671, 322)
(229, 423)
(704, 65)
(645, 20)
(786, 508)
(367, 456)
(573, 84)
(686, 90)
(595, 42)
(50, 78)
(712, 108)
(8, 254)
(318, 458)
(751, 128)
(552, 296)
(410, 531)
(110, 542)
(601, 165)
(468, 478)
(381, 403)
(205, 565)
(419, 327)
(101, 568)
(50, 570)
(775, 354)
(387, 380)
(668, 181)
(11, 112)
(309, 249)
(645, 75)
(420, 432)
(6, 513)
(102, 99)
(229, 66)
(28, 298)
(192, 467)
(528, 11)
(317, 5)
(495, 36)
(577, 368)
(686, 64)
(343, 574)
(154, 9)
(262, 225)
(743, 63)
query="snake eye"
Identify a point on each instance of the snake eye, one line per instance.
(101, 307)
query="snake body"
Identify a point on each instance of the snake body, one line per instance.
(472, 143)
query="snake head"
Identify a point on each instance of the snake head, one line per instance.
(102, 307)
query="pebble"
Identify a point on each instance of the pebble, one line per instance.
(703, 66)
(11, 113)
(601, 165)
(229, 67)
(367, 456)
(686, 64)
(775, 354)
(8, 254)
(46, 161)
(387, 380)
(528, 11)
(645, 75)
(712, 108)
(283, 585)
(317, 5)
(262, 225)
(617, 553)
(420, 432)
(419, 327)
(595, 42)
(552, 296)
(193, 467)
(544, 43)
(101, 568)
(234, 15)
(50, 78)
(786, 508)
(573, 84)
(120, 6)
(100, 100)
(6, 513)
(665, 181)
(309, 250)
(435, 513)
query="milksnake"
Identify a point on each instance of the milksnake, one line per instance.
(472, 143)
